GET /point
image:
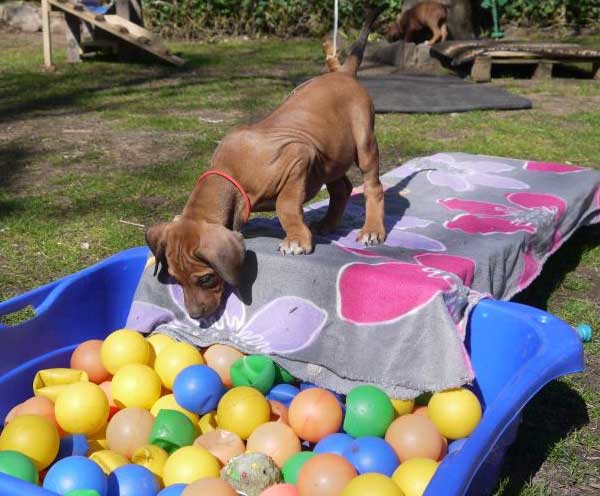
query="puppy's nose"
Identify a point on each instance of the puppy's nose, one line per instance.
(198, 312)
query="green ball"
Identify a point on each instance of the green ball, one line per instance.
(292, 467)
(172, 430)
(369, 412)
(282, 375)
(18, 465)
(82, 492)
(257, 371)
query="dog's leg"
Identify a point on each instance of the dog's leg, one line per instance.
(298, 239)
(373, 231)
(339, 192)
(437, 35)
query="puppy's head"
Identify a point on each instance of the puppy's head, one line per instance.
(201, 257)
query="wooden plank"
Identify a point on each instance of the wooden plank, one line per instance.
(73, 34)
(543, 70)
(596, 71)
(113, 24)
(481, 72)
(47, 36)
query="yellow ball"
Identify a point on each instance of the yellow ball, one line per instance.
(455, 412)
(135, 385)
(402, 407)
(152, 457)
(34, 436)
(413, 476)
(372, 485)
(173, 359)
(158, 342)
(208, 422)
(108, 460)
(188, 464)
(124, 347)
(82, 408)
(168, 402)
(241, 410)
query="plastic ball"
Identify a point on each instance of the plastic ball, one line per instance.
(257, 371)
(414, 436)
(279, 412)
(325, 475)
(292, 466)
(75, 472)
(282, 375)
(413, 475)
(51, 382)
(280, 490)
(82, 492)
(334, 443)
(36, 405)
(369, 412)
(108, 460)
(198, 388)
(34, 436)
(112, 406)
(222, 444)
(314, 414)
(129, 430)
(82, 408)
(422, 411)
(174, 490)
(152, 457)
(124, 347)
(372, 485)
(444, 451)
(284, 393)
(241, 410)
(72, 445)
(168, 402)
(87, 357)
(455, 412)
(220, 357)
(173, 359)
(208, 422)
(18, 465)
(159, 342)
(209, 486)
(172, 430)
(136, 385)
(189, 464)
(276, 440)
(402, 407)
(585, 332)
(372, 454)
(132, 480)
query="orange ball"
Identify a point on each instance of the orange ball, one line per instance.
(414, 436)
(315, 413)
(36, 405)
(279, 413)
(325, 475)
(86, 357)
(276, 440)
(129, 430)
(209, 485)
(224, 445)
(219, 357)
(112, 406)
(421, 410)
(280, 490)
(444, 450)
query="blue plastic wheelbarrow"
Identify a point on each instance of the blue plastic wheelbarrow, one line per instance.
(515, 350)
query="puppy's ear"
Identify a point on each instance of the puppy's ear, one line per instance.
(156, 238)
(224, 250)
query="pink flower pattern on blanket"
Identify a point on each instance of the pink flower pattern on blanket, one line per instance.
(552, 167)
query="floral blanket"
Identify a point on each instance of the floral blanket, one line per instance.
(460, 228)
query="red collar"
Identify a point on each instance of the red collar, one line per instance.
(235, 183)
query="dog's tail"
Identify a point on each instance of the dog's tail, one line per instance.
(357, 51)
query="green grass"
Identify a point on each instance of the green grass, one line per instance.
(92, 144)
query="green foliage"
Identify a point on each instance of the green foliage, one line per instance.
(549, 12)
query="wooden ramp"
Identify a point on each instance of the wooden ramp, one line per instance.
(115, 25)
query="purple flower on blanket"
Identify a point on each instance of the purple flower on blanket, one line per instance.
(462, 174)
(552, 167)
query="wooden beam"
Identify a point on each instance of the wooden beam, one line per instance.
(543, 70)
(596, 71)
(481, 72)
(46, 34)
(73, 38)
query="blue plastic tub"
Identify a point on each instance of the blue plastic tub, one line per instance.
(515, 350)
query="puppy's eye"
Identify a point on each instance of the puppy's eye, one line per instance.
(207, 281)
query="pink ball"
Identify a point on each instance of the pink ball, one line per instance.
(280, 490)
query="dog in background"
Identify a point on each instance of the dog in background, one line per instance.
(431, 15)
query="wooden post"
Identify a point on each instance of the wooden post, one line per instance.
(73, 38)
(47, 36)
(596, 71)
(481, 72)
(543, 70)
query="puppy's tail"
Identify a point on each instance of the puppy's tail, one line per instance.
(357, 51)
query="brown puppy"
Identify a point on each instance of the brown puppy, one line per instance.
(432, 15)
(322, 128)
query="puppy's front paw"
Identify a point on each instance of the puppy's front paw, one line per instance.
(371, 237)
(290, 246)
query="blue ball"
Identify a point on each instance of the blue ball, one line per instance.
(73, 445)
(334, 443)
(174, 490)
(132, 480)
(456, 445)
(198, 388)
(284, 393)
(76, 472)
(585, 332)
(371, 454)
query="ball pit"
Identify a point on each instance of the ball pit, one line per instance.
(136, 385)
(455, 412)
(369, 412)
(132, 480)
(174, 490)
(168, 402)
(173, 359)
(18, 465)
(172, 430)
(275, 439)
(220, 357)
(325, 475)
(280, 490)
(209, 486)
(372, 485)
(315, 413)
(158, 342)
(222, 444)
(36, 405)
(372, 454)
(129, 430)
(109, 460)
(413, 476)
(81, 408)
(151, 457)
(188, 464)
(414, 436)
(198, 389)
(279, 412)
(76, 473)
(284, 393)
(243, 409)
(87, 357)
(257, 371)
(334, 443)
(124, 347)
(72, 445)
(292, 466)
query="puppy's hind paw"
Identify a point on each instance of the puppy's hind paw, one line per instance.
(370, 238)
(294, 247)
